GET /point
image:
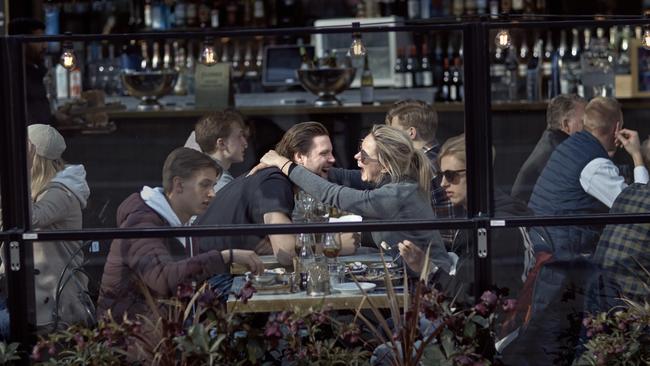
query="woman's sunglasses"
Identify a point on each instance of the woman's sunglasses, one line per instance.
(452, 176)
(364, 157)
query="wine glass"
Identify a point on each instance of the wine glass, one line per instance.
(331, 249)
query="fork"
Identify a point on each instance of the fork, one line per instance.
(388, 248)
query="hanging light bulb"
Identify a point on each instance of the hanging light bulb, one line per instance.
(503, 39)
(208, 56)
(357, 48)
(645, 39)
(68, 59)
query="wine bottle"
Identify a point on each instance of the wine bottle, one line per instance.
(367, 84)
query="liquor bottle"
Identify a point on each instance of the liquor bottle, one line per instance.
(425, 67)
(180, 13)
(75, 82)
(225, 55)
(190, 68)
(458, 8)
(481, 6)
(214, 16)
(512, 73)
(249, 64)
(399, 80)
(456, 85)
(144, 63)
(259, 14)
(623, 60)
(425, 9)
(259, 58)
(367, 84)
(192, 12)
(587, 39)
(570, 66)
(413, 9)
(437, 63)
(470, 7)
(540, 6)
(231, 13)
(306, 63)
(522, 67)
(148, 19)
(62, 82)
(506, 6)
(155, 57)
(562, 48)
(417, 68)
(410, 70)
(517, 6)
(159, 16)
(494, 9)
(446, 81)
(236, 68)
(533, 74)
(167, 57)
(497, 75)
(180, 88)
(546, 67)
(204, 14)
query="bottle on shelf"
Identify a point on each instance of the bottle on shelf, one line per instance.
(148, 18)
(179, 65)
(62, 82)
(398, 72)
(534, 72)
(512, 73)
(413, 9)
(190, 68)
(494, 9)
(203, 14)
(623, 60)
(191, 13)
(426, 8)
(506, 6)
(425, 67)
(446, 81)
(470, 7)
(259, 14)
(456, 85)
(410, 70)
(498, 86)
(155, 57)
(367, 84)
(522, 67)
(144, 53)
(546, 67)
(306, 62)
(180, 13)
(438, 58)
(214, 15)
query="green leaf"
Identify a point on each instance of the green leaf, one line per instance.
(433, 355)
(470, 330)
(447, 339)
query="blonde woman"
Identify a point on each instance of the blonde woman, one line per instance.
(392, 183)
(59, 193)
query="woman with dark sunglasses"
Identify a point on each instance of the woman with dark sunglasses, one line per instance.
(508, 249)
(392, 183)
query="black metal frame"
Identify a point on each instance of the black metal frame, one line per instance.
(478, 129)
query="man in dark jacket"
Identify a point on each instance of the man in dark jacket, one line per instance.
(38, 106)
(564, 116)
(159, 265)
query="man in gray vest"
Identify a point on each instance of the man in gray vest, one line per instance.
(579, 178)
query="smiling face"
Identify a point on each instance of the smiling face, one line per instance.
(194, 194)
(454, 180)
(368, 161)
(319, 158)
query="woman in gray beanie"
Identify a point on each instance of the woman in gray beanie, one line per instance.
(59, 192)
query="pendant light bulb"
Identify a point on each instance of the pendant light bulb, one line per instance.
(357, 48)
(503, 40)
(208, 56)
(68, 59)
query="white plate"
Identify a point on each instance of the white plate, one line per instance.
(353, 288)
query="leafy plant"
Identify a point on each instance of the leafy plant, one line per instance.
(9, 353)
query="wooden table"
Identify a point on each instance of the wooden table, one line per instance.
(261, 303)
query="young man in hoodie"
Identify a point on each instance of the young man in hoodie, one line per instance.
(222, 135)
(161, 264)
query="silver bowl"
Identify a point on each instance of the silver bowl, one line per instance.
(326, 83)
(149, 86)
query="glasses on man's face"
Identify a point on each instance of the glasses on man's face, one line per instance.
(364, 157)
(452, 176)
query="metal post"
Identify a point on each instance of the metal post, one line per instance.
(478, 137)
(15, 192)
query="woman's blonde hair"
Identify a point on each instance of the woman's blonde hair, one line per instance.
(401, 159)
(454, 146)
(43, 170)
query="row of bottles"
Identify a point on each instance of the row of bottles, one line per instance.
(579, 63)
(425, 9)
(160, 15)
(444, 71)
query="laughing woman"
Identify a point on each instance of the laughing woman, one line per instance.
(392, 184)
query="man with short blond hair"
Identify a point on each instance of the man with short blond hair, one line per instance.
(420, 122)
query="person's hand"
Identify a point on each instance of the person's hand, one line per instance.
(246, 258)
(272, 158)
(257, 168)
(412, 255)
(629, 139)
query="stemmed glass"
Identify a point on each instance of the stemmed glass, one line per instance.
(331, 249)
